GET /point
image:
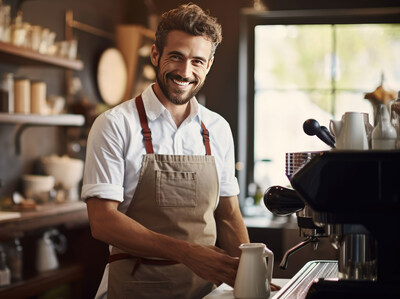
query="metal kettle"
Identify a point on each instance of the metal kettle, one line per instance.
(51, 243)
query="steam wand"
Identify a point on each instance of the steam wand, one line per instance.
(310, 239)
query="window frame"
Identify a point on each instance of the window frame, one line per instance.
(249, 19)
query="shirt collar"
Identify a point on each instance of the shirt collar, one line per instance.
(154, 108)
(152, 105)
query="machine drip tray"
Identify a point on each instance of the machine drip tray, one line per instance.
(299, 285)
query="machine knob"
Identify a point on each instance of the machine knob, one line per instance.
(282, 201)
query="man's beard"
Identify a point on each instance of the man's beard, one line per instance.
(176, 99)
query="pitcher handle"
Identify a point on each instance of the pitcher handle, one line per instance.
(331, 128)
(270, 265)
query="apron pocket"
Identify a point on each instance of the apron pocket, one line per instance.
(176, 189)
(147, 289)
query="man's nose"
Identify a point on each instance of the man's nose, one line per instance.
(185, 69)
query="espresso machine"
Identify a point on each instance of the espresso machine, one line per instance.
(351, 197)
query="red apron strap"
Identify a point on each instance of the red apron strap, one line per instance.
(118, 256)
(206, 139)
(147, 133)
(145, 126)
(139, 260)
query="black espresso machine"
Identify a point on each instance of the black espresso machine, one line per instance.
(352, 198)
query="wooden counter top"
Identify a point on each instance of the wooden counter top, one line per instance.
(69, 214)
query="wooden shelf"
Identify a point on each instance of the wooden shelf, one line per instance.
(50, 120)
(43, 282)
(69, 214)
(21, 56)
(28, 120)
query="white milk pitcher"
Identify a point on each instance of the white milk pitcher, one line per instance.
(351, 131)
(254, 275)
(47, 246)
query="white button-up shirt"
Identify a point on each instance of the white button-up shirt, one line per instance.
(115, 147)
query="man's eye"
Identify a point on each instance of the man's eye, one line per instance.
(175, 57)
(199, 62)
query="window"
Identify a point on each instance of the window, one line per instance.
(314, 71)
(300, 67)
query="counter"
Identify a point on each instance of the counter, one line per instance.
(69, 214)
(226, 292)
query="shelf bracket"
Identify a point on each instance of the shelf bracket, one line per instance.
(17, 138)
(71, 23)
(19, 130)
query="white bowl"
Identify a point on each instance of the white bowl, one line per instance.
(38, 182)
(37, 186)
(67, 171)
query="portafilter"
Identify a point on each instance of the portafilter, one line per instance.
(283, 201)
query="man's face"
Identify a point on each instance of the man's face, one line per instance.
(182, 67)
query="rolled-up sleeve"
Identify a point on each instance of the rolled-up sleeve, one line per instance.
(228, 183)
(104, 163)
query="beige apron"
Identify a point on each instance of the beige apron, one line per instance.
(176, 196)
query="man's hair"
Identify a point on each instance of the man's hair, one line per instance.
(191, 19)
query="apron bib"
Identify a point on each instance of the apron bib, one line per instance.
(176, 196)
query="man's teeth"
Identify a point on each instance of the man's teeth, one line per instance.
(181, 83)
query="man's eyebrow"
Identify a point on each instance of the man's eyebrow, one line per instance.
(180, 54)
(175, 53)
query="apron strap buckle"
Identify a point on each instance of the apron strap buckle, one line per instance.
(146, 134)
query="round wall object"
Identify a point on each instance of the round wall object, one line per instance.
(112, 76)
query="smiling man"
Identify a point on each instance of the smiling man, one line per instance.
(159, 177)
(182, 71)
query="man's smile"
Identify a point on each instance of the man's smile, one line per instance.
(181, 83)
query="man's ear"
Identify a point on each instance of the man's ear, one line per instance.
(154, 55)
(210, 62)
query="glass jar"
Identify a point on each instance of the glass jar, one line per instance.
(7, 93)
(22, 95)
(5, 276)
(15, 259)
(384, 135)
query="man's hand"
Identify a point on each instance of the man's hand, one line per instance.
(212, 264)
(274, 287)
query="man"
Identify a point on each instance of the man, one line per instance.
(159, 176)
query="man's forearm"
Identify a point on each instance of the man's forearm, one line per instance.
(113, 227)
(231, 229)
